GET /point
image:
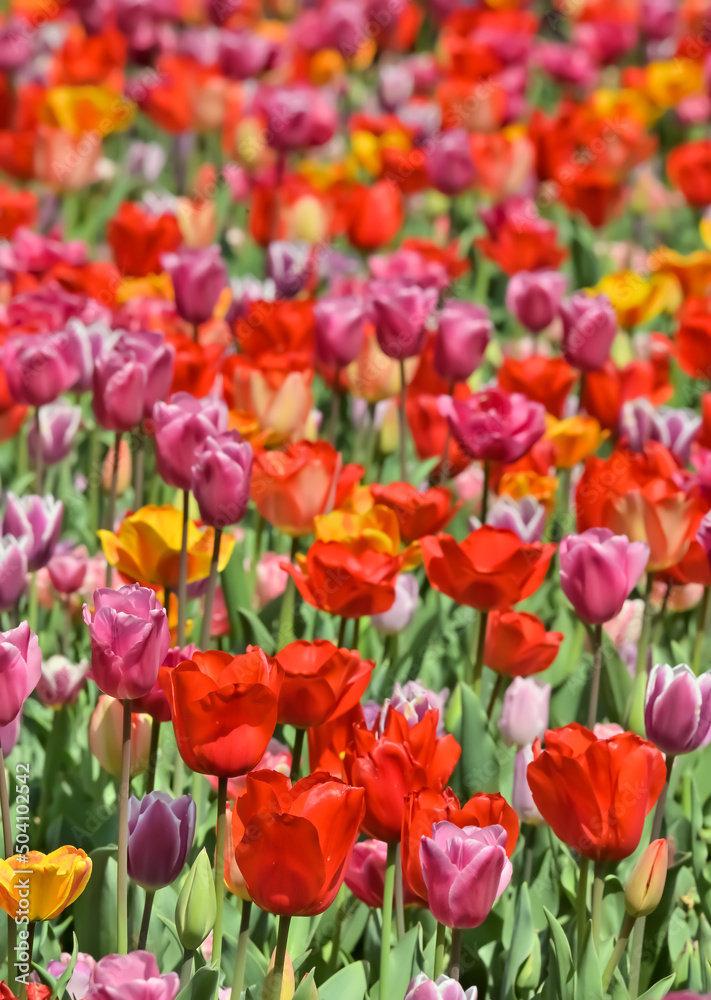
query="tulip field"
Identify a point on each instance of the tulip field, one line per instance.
(355, 499)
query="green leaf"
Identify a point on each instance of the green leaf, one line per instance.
(202, 985)
(348, 984)
(478, 767)
(61, 984)
(616, 682)
(306, 989)
(563, 965)
(521, 942)
(659, 990)
(256, 632)
(588, 981)
(402, 964)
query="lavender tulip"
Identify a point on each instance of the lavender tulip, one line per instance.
(146, 160)
(38, 368)
(525, 517)
(61, 681)
(13, 571)
(198, 277)
(160, 834)
(401, 313)
(395, 86)
(534, 297)
(131, 375)
(39, 521)
(465, 871)
(493, 425)
(444, 988)
(289, 267)
(677, 709)
(221, 477)
(524, 716)
(20, 669)
(399, 616)
(598, 571)
(589, 328)
(129, 640)
(641, 421)
(521, 797)
(339, 328)
(58, 424)
(463, 333)
(136, 976)
(449, 163)
(182, 426)
(414, 700)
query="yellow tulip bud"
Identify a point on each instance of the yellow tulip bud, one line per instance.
(646, 883)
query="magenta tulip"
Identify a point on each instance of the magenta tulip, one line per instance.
(401, 313)
(449, 163)
(589, 328)
(598, 571)
(155, 702)
(677, 709)
(160, 834)
(495, 426)
(297, 116)
(38, 368)
(463, 334)
(339, 329)
(20, 670)
(67, 567)
(130, 376)
(365, 875)
(534, 297)
(221, 478)
(182, 426)
(198, 277)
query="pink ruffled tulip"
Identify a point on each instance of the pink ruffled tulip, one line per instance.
(129, 640)
(105, 737)
(339, 328)
(444, 988)
(598, 571)
(463, 334)
(58, 424)
(20, 670)
(401, 313)
(677, 709)
(365, 875)
(61, 681)
(465, 871)
(534, 297)
(130, 376)
(135, 976)
(589, 328)
(67, 567)
(182, 426)
(449, 163)
(524, 717)
(493, 425)
(221, 478)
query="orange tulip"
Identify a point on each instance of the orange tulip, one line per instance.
(573, 439)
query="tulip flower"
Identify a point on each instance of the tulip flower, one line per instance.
(13, 571)
(533, 297)
(61, 681)
(67, 567)
(641, 421)
(495, 426)
(289, 265)
(58, 423)
(643, 892)
(443, 988)
(589, 327)
(20, 670)
(131, 375)
(198, 277)
(244, 54)
(677, 709)
(271, 579)
(463, 333)
(392, 763)
(298, 840)
(596, 819)
(55, 881)
(221, 477)
(196, 909)
(320, 683)
(182, 426)
(79, 979)
(105, 737)
(418, 512)
(138, 238)
(521, 797)
(525, 517)
(598, 571)
(524, 716)
(129, 640)
(296, 117)
(517, 644)
(39, 521)
(155, 702)
(339, 329)
(132, 975)
(160, 834)
(402, 611)
(224, 709)
(449, 164)
(365, 875)
(331, 577)
(401, 313)
(465, 871)
(38, 368)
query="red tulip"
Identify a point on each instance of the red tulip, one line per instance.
(321, 682)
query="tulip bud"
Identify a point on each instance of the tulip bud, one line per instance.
(401, 312)
(288, 983)
(123, 478)
(646, 883)
(196, 908)
(105, 733)
(524, 716)
(534, 297)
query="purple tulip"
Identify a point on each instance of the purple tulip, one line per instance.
(401, 313)
(131, 977)
(67, 567)
(20, 670)
(58, 424)
(340, 328)
(641, 421)
(39, 521)
(289, 265)
(395, 86)
(589, 328)
(677, 709)
(61, 681)
(13, 571)
(534, 297)
(160, 834)
(444, 988)
(129, 639)
(465, 871)
(244, 54)
(130, 376)
(182, 426)
(414, 700)
(297, 116)
(221, 478)
(463, 333)
(449, 163)
(493, 425)
(598, 571)
(155, 702)
(198, 277)
(524, 716)
(521, 797)
(400, 614)
(525, 517)
(38, 368)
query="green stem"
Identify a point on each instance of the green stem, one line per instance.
(485, 492)
(335, 409)
(597, 904)
(32, 604)
(597, 668)
(356, 633)
(529, 845)
(206, 631)
(219, 870)
(111, 510)
(139, 461)
(636, 957)
(582, 903)
(145, 922)
(94, 479)
(272, 989)
(288, 602)
(342, 633)
(256, 554)
(439, 951)
(52, 759)
(387, 919)
(183, 572)
(625, 931)
(399, 895)
(455, 959)
(646, 627)
(122, 878)
(480, 643)
(39, 463)
(242, 948)
(153, 757)
(700, 632)
(296, 755)
(403, 424)
(186, 969)
(9, 851)
(495, 692)
(662, 801)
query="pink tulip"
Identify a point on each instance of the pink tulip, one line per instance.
(449, 163)
(677, 709)
(38, 522)
(465, 871)
(598, 571)
(198, 276)
(493, 425)
(297, 116)
(521, 797)
(135, 976)
(271, 579)
(13, 571)
(130, 376)
(463, 333)
(58, 424)
(365, 876)
(534, 297)
(589, 328)
(401, 313)
(221, 477)
(61, 681)
(38, 368)
(20, 670)
(524, 717)
(339, 329)
(182, 426)
(67, 567)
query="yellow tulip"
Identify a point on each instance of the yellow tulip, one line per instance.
(376, 529)
(154, 286)
(573, 439)
(147, 547)
(78, 110)
(39, 886)
(670, 81)
(529, 483)
(636, 299)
